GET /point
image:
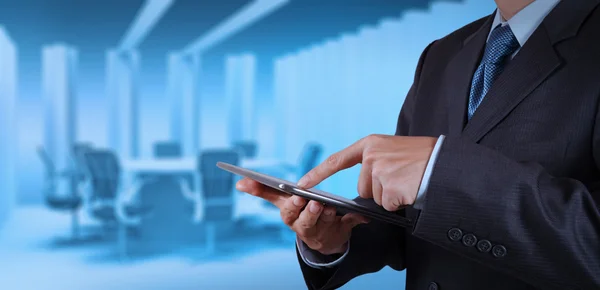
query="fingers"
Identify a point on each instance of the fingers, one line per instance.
(346, 158)
(328, 216)
(365, 182)
(254, 188)
(377, 190)
(308, 218)
(354, 218)
(390, 200)
(290, 211)
(350, 220)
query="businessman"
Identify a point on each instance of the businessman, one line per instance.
(496, 158)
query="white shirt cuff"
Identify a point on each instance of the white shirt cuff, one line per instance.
(428, 170)
(315, 259)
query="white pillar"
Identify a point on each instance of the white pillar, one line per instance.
(286, 82)
(280, 77)
(182, 92)
(122, 68)
(8, 132)
(59, 64)
(239, 93)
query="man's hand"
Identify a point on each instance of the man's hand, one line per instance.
(317, 226)
(392, 168)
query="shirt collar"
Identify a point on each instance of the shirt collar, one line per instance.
(524, 23)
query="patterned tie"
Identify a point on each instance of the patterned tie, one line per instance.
(501, 44)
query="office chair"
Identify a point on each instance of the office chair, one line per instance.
(308, 159)
(80, 172)
(247, 149)
(62, 201)
(216, 201)
(107, 202)
(167, 150)
(77, 153)
(103, 174)
(171, 225)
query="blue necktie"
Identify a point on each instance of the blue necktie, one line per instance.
(500, 46)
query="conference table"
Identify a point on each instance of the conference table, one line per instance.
(185, 165)
(244, 204)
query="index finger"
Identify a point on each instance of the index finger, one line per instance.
(341, 160)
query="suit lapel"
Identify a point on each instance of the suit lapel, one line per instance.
(459, 73)
(534, 63)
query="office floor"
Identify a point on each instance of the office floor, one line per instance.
(30, 260)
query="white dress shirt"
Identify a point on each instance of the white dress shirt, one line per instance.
(522, 24)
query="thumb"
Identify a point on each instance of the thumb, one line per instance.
(350, 220)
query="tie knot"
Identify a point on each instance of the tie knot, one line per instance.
(502, 43)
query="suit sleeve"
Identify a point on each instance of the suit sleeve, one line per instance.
(514, 216)
(373, 245)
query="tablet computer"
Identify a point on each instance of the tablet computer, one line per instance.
(362, 206)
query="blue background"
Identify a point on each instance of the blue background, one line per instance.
(360, 104)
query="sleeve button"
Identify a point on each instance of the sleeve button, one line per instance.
(469, 240)
(455, 234)
(484, 246)
(433, 286)
(499, 251)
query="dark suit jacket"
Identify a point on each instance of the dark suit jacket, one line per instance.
(514, 197)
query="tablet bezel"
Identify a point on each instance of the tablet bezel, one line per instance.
(365, 207)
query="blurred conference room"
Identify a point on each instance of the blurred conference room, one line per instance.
(114, 113)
